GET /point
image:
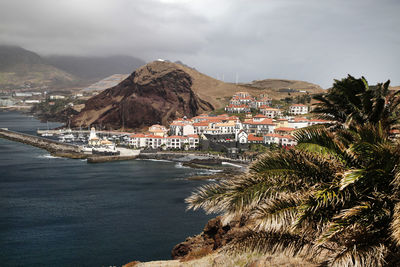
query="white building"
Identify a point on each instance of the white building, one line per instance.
(259, 125)
(57, 97)
(200, 127)
(298, 122)
(264, 101)
(188, 129)
(243, 108)
(281, 140)
(32, 101)
(270, 112)
(298, 109)
(242, 137)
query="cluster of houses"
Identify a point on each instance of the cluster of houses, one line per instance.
(185, 133)
(243, 102)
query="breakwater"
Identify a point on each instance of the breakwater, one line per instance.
(50, 145)
(60, 149)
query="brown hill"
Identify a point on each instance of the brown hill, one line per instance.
(155, 93)
(278, 88)
(218, 93)
(161, 91)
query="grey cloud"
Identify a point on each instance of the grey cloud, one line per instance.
(308, 40)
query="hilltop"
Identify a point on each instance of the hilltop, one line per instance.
(279, 88)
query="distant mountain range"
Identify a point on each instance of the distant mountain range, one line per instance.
(21, 68)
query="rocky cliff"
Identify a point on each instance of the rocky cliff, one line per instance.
(155, 93)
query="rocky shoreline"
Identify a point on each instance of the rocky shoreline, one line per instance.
(224, 168)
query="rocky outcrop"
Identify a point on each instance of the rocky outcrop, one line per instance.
(158, 92)
(214, 236)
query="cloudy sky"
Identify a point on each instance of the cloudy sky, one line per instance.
(310, 40)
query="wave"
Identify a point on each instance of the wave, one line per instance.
(214, 171)
(179, 165)
(231, 164)
(48, 156)
(162, 160)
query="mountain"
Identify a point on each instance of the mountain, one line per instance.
(91, 68)
(162, 91)
(20, 67)
(158, 92)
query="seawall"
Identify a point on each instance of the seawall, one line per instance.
(61, 149)
(50, 145)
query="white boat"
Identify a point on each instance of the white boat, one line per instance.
(87, 149)
(47, 134)
(69, 136)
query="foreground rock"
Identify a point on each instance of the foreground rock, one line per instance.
(214, 236)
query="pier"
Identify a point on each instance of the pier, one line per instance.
(60, 149)
(50, 145)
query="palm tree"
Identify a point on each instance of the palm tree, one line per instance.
(336, 196)
(352, 101)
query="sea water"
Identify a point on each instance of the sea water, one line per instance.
(65, 212)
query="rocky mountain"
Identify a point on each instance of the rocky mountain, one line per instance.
(20, 67)
(92, 68)
(162, 91)
(155, 93)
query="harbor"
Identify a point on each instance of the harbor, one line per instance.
(80, 145)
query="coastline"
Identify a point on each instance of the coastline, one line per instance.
(223, 168)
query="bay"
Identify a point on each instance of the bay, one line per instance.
(65, 212)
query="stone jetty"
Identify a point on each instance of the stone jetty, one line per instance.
(50, 145)
(65, 150)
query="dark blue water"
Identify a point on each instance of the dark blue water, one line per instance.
(64, 212)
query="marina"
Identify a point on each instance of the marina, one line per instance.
(75, 144)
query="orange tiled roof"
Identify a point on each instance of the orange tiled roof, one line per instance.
(260, 116)
(201, 123)
(137, 136)
(284, 129)
(298, 105)
(252, 137)
(265, 121)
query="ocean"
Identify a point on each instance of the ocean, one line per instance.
(66, 212)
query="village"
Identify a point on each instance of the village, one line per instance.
(233, 132)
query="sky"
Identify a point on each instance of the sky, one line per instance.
(311, 40)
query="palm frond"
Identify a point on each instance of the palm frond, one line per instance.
(350, 177)
(273, 242)
(395, 225)
(359, 256)
(278, 213)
